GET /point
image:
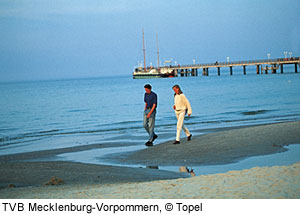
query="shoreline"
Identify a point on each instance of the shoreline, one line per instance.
(237, 143)
(218, 148)
(277, 182)
(218, 134)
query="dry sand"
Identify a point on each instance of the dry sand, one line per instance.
(99, 181)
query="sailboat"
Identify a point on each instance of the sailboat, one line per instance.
(152, 72)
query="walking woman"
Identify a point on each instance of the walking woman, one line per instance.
(181, 107)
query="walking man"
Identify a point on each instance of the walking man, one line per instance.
(150, 100)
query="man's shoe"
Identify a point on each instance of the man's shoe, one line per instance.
(154, 137)
(189, 137)
(176, 142)
(149, 143)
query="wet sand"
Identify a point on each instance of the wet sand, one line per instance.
(217, 148)
(24, 174)
(100, 181)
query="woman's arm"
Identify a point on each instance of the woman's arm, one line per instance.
(187, 104)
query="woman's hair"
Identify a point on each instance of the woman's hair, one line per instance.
(179, 92)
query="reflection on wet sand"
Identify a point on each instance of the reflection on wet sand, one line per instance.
(181, 169)
(187, 170)
(152, 167)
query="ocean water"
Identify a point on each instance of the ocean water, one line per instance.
(45, 115)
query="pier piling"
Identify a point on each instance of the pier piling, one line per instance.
(274, 69)
(257, 69)
(181, 72)
(194, 72)
(205, 72)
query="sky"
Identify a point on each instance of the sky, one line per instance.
(66, 39)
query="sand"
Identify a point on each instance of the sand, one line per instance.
(28, 179)
(217, 148)
(23, 174)
(262, 183)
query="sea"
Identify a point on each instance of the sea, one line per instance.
(43, 115)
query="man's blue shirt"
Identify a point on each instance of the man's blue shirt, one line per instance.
(150, 99)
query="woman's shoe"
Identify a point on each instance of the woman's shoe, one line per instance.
(189, 137)
(176, 142)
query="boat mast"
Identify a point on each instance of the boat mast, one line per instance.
(144, 51)
(157, 52)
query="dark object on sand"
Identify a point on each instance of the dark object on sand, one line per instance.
(54, 181)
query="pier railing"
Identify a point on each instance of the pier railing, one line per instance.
(291, 60)
(262, 66)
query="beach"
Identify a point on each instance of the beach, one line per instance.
(21, 178)
(256, 183)
(218, 147)
(73, 103)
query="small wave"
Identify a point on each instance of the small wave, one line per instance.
(21, 138)
(78, 110)
(124, 123)
(255, 112)
(229, 112)
(20, 143)
(7, 129)
(49, 131)
(28, 135)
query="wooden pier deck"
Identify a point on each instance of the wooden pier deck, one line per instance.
(262, 66)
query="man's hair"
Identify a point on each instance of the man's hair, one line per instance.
(148, 86)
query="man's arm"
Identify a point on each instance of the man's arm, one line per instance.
(151, 111)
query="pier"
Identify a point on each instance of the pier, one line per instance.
(262, 67)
